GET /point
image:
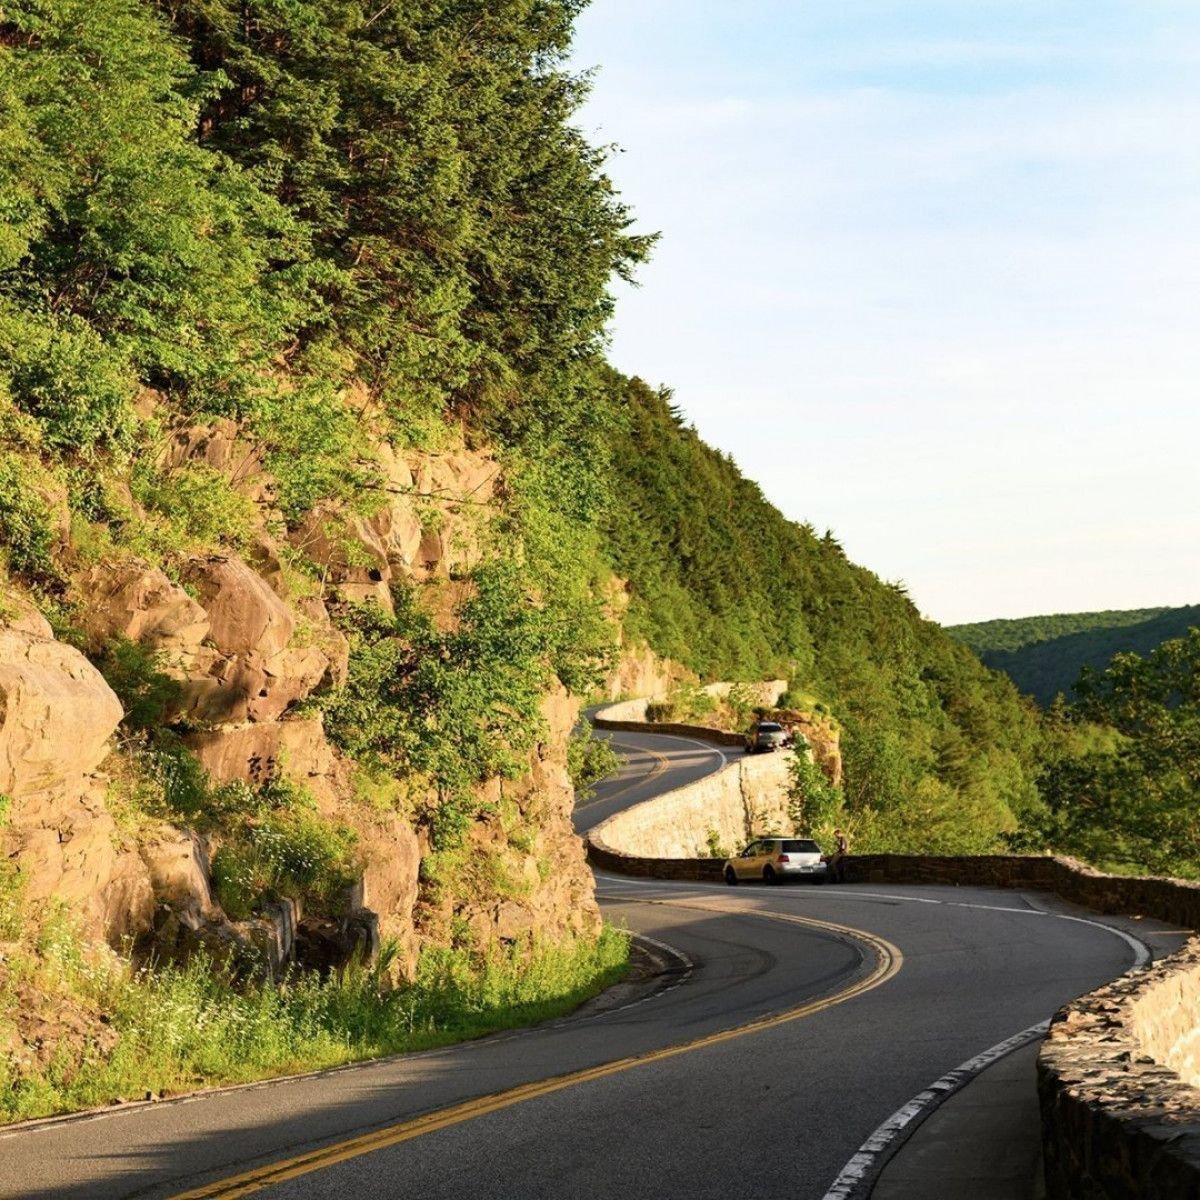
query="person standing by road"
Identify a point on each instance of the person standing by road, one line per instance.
(841, 847)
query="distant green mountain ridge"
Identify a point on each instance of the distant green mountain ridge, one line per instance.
(1044, 655)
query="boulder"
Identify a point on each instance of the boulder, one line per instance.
(245, 615)
(56, 714)
(56, 717)
(431, 524)
(511, 921)
(16, 612)
(65, 845)
(640, 672)
(297, 750)
(248, 672)
(391, 861)
(225, 691)
(132, 600)
(177, 864)
(333, 643)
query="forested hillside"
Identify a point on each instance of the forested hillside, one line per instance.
(940, 752)
(1045, 655)
(1016, 633)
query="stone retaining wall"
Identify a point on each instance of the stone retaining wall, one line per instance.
(1116, 1076)
(746, 797)
(629, 716)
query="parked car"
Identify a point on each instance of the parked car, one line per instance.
(764, 736)
(775, 859)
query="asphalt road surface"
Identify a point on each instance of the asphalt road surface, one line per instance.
(776, 1040)
(652, 763)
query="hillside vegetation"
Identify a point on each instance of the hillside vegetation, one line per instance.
(940, 753)
(299, 308)
(1122, 764)
(1045, 655)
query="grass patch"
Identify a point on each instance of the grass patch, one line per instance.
(193, 1026)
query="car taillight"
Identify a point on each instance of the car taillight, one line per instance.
(783, 858)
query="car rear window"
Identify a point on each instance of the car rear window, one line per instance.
(768, 727)
(802, 846)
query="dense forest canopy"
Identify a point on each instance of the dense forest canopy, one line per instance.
(340, 224)
(1015, 633)
(1045, 655)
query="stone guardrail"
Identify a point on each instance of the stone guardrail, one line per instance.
(1118, 1080)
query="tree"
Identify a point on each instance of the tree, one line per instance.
(1124, 789)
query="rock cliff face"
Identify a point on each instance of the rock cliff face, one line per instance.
(244, 648)
(56, 718)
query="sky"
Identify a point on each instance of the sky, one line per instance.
(930, 271)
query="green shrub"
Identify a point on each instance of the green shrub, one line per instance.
(815, 806)
(27, 528)
(686, 704)
(284, 848)
(180, 1027)
(134, 671)
(456, 707)
(64, 374)
(199, 504)
(589, 759)
(317, 448)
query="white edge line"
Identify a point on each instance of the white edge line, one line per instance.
(868, 1159)
(862, 1165)
(688, 968)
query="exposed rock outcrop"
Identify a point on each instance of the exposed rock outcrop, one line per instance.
(297, 750)
(247, 671)
(245, 649)
(429, 524)
(132, 600)
(56, 717)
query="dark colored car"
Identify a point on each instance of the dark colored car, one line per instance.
(764, 736)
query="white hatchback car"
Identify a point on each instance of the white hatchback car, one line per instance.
(775, 859)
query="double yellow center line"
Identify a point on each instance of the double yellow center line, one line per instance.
(888, 962)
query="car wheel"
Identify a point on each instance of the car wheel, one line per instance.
(769, 875)
(731, 877)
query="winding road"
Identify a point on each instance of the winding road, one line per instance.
(781, 1026)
